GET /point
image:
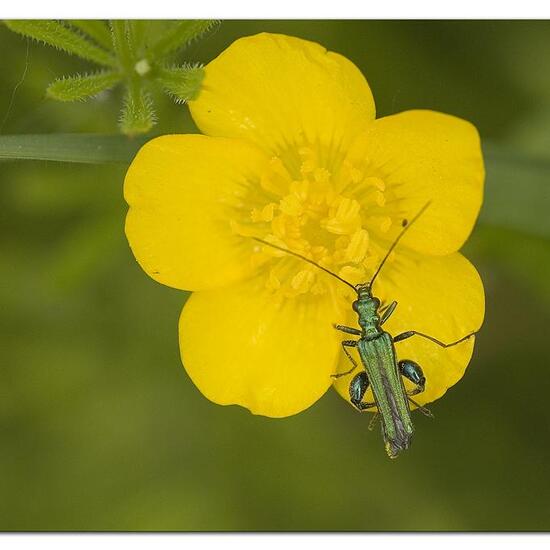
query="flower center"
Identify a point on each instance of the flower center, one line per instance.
(328, 211)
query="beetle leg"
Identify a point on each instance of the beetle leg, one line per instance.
(357, 389)
(349, 344)
(348, 330)
(408, 334)
(387, 311)
(423, 410)
(413, 372)
(372, 422)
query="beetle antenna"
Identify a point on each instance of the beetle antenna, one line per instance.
(403, 231)
(305, 260)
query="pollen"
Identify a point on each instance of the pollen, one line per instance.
(302, 281)
(263, 215)
(375, 182)
(327, 211)
(358, 246)
(344, 217)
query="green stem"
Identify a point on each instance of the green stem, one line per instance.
(83, 148)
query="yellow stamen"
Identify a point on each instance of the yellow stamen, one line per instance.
(302, 281)
(273, 282)
(345, 219)
(380, 198)
(321, 212)
(358, 246)
(352, 274)
(375, 182)
(263, 215)
(291, 205)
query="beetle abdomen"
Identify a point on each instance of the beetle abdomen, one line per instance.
(378, 357)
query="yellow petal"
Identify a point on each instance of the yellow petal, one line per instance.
(426, 156)
(183, 190)
(280, 91)
(239, 347)
(439, 296)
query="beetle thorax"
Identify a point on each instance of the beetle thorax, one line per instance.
(366, 307)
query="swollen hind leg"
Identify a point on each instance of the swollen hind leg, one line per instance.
(413, 372)
(357, 388)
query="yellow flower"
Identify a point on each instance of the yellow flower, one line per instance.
(293, 155)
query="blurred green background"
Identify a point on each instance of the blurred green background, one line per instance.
(100, 427)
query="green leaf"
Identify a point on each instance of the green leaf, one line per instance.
(84, 148)
(181, 34)
(95, 28)
(61, 37)
(138, 115)
(137, 32)
(517, 191)
(120, 32)
(75, 88)
(182, 83)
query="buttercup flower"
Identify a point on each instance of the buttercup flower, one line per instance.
(292, 154)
